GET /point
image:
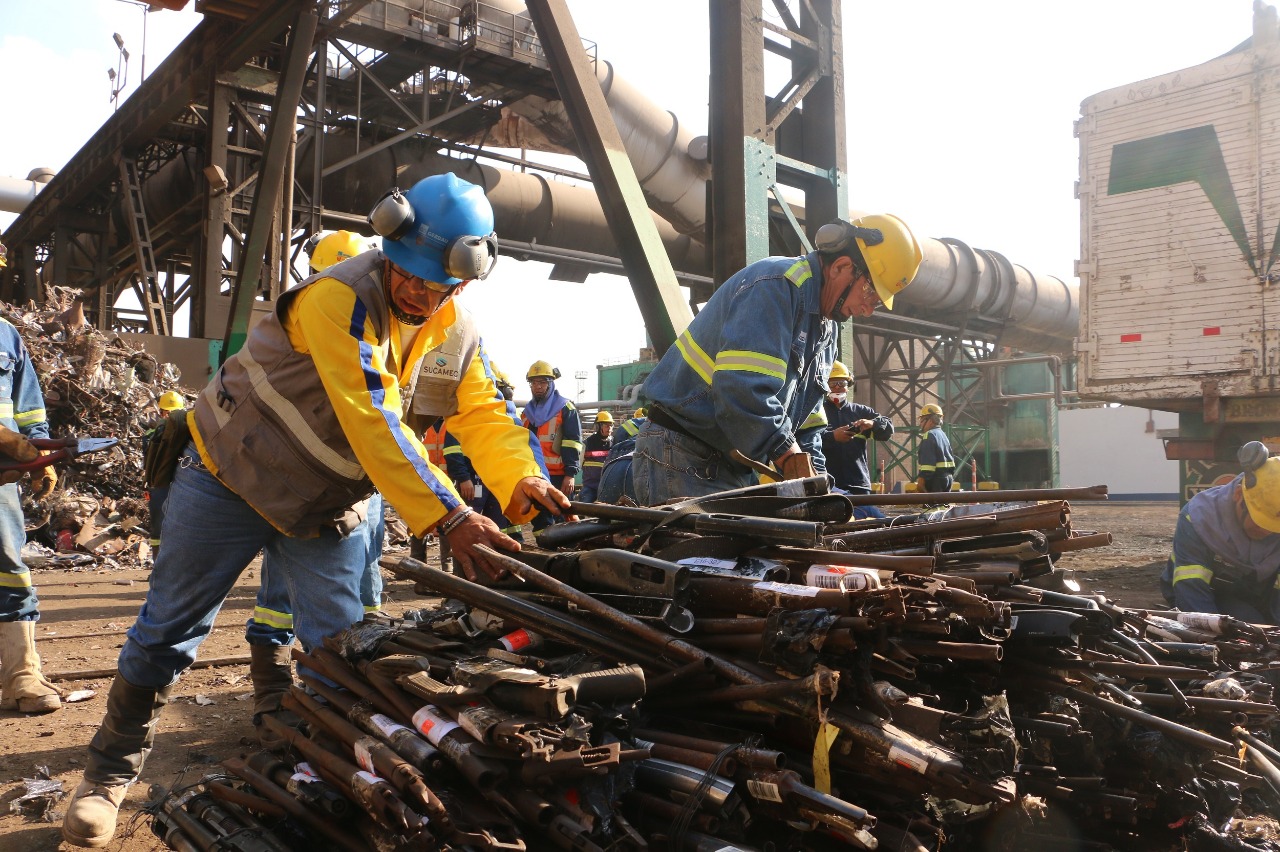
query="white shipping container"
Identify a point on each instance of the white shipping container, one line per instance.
(1180, 223)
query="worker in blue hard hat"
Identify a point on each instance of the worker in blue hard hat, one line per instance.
(290, 439)
(1226, 546)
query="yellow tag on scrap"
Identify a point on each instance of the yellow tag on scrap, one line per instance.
(827, 734)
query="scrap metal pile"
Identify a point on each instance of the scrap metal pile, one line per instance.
(95, 385)
(756, 671)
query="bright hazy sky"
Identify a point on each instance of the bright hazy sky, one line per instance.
(959, 120)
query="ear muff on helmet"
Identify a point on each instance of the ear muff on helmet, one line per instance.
(471, 257)
(836, 237)
(392, 217)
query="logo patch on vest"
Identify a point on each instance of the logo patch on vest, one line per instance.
(444, 366)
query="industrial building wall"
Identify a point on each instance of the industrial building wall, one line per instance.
(1112, 447)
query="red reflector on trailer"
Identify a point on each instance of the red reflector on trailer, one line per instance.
(1212, 331)
(1130, 338)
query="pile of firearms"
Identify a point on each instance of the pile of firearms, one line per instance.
(95, 385)
(756, 671)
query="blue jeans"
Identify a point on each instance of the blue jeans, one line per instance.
(668, 465)
(17, 596)
(211, 536)
(272, 621)
(616, 480)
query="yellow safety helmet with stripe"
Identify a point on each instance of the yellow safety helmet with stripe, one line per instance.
(931, 410)
(542, 370)
(839, 371)
(335, 248)
(888, 248)
(604, 417)
(171, 401)
(1261, 485)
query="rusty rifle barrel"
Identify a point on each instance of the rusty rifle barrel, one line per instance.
(949, 528)
(815, 684)
(902, 564)
(992, 653)
(680, 675)
(1093, 492)
(331, 831)
(1080, 542)
(1173, 730)
(930, 760)
(803, 533)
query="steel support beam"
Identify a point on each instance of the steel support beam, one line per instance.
(271, 174)
(649, 269)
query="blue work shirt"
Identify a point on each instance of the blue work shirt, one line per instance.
(21, 401)
(750, 371)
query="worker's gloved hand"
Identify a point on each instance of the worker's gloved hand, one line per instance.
(43, 482)
(477, 529)
(16, 447)
(796, 466)
(534, 491)
(467, 490)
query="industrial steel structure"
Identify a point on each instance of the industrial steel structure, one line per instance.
(196, 194)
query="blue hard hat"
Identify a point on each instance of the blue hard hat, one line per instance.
(451, 231)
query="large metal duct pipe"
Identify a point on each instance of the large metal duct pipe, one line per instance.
(16, 194)
(1040, 313)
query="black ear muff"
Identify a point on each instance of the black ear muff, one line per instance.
(392, 217)
(471, 257)
(835, 237)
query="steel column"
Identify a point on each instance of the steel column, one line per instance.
(649, 269)
(271, 173)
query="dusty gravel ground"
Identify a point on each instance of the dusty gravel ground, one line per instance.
(84, 615)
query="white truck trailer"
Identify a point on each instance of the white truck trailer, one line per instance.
(1180, 235)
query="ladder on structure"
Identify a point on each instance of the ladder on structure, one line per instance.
(149, 293)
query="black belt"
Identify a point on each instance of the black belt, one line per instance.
(664, 419)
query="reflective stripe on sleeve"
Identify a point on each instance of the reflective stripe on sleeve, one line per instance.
(817, 418)
(799, 272)
(273, 618)
(752, 362)
(695, 357)
(29, 418)
(1192, 572)
(573, 445)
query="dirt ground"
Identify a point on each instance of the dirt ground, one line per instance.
(85, 614)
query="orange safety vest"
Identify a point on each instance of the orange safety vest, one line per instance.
(550, 435)
(433, 440)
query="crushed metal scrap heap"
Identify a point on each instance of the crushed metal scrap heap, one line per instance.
(755, 670)
(95, 384)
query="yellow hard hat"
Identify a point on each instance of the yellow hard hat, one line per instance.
(892, 262)
(1261, 485)
(931, 410)
(335, 248)
(839, 371)
(4, 256)
(641, 412)
(604, 417)
(171, 401)
(542, 369)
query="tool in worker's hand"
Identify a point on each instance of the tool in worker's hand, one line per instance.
(64, 450)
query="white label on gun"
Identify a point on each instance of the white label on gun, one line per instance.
(791, 488)
(363, 757)
(368, 778)
(518, 639)
(912, 761)
(787, 589)
(764, 790)
(305, 771)
(387, 727)
(1207, 621)
(708, 562)
(433, 725)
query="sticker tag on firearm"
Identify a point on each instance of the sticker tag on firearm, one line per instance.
(368, 778)
(435, 727)
(764, 790)
(363, 757)
(912, 761)
(388, 727)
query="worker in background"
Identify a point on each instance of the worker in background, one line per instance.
(22, 416)
(851, 426)
(169, 402)
(290, 439)
(935, 465)
(1226, 546)
(616, 481)
(594, 452)
(555, 422)
(269, 630)
(749, 372)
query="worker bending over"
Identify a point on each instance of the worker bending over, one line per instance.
(291, 437)
(749, 372)
(1226, 546)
